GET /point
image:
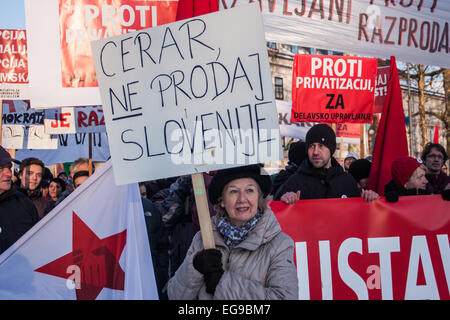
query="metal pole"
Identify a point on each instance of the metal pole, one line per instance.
(411, 146)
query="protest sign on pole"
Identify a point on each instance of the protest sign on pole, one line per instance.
(381, 87)
(61, 71)
(188, 97)
(80, 119)
(333, 88)
(415, 31)
(352, 249)
(13, 64)
(23, 127)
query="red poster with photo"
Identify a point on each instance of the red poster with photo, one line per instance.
(82, 21)
(333, 89)
(13, 56)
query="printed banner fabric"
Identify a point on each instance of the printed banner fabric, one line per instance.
(352, 249)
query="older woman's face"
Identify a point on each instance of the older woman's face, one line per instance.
(419, 181)
(240, 200)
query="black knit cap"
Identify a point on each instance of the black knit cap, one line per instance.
(324, 134)
(223, 177)
(360, 169)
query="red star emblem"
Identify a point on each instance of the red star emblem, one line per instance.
(97, 260)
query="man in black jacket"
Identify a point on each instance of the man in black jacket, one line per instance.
(17, 212)
(320, 176)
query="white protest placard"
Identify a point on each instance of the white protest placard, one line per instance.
(89, 119)
(12, 136)
(38, 139)
(191, 96)
(59, 120)
(69, 120)
(23, 127)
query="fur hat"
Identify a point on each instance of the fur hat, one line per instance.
(360, 169)
(403, 168)
(324, 134)
(223, 177)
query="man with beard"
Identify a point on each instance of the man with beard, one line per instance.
(320, 176)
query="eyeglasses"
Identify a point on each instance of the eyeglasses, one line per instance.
(435, 156)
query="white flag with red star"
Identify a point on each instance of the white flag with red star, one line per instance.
(94, 245)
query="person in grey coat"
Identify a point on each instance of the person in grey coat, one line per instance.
(253, 258)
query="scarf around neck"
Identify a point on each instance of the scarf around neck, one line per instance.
(232, 235)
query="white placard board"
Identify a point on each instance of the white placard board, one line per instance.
(191, 96)
(12, 136)
(23, 127)
(69, 120)
(59, 120)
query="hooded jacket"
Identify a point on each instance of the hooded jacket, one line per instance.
(17, 216)
(320, 183)
(260, 268)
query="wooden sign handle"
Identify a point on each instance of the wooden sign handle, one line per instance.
(204, 217)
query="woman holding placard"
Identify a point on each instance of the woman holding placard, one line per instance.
(253, 259)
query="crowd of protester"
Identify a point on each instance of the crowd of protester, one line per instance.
(183, 269)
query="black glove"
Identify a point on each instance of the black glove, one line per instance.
(392, 196)
(446, 194)
(209, 263)
(211, 280)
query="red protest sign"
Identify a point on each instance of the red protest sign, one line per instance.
(352, 249)
(348, 130)
(82, 21)
(13, 56)
(333, 89)
(381, 88)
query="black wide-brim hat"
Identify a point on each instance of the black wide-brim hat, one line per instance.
(5, 157)
(223, 177)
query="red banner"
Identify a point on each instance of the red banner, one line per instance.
(333, 89)
(82, 21)
(351, 249)
(13, 56)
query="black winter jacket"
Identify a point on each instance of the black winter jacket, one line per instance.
(17, 215)
(159, 244)
(392, 192)
(320, 183)
(282, 176)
